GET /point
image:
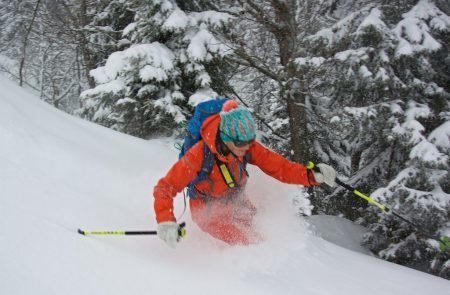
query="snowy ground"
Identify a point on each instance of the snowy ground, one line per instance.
(59, 173)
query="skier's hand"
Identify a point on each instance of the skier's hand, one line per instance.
(326, 174)
(169, 232)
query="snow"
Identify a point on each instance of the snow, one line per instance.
(125, 100)
(113, 87)
(373, 19)
(109, 72)
(6, 64)
(313, 62)
(59, 173)
(129, 28)
(348, 235)
(148, 73)
(412, 33)
(382, 74)
(177, 20)
(155, 60)
(202, 94)
(355, 56)
(441, 136)
(334, 34)
(166, 102)
(213, 18)
(426, 10)
(403, 48)
(203, 42)
(428, 152)
(365, 72)
(411, 126)
(413, 30)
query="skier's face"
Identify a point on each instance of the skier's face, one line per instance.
(239, 150)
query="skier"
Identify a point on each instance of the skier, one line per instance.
(219, 204)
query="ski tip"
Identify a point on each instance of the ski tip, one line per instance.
(81, 232)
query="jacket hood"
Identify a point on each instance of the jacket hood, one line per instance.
(209, 132)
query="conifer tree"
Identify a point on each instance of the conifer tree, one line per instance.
(420, 187)
(106, 28)
(268, 37)
(388, 100)
(173, 58)
(48, 44)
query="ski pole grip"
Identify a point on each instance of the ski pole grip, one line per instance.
(311, 166)
(182, 230)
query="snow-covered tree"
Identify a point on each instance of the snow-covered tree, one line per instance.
(289, 73)
(267, 38)
(387, 95)
(420, 187)
(48, 42)
(105, 30)
(145, 89)
(19, 22)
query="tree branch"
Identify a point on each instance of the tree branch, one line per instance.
(258, 116)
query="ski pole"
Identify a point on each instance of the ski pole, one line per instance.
(444, 242)
(181, 232)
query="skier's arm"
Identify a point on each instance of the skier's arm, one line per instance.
(278, 167)
(178, 177)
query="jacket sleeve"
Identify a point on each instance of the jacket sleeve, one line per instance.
(275, 165)
(178, 177)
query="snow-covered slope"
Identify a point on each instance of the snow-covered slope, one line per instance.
(59, 173)
(339, 231)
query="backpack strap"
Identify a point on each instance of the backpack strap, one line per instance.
(203, 174)
(247, 159)
(226, 174)
(209, 159)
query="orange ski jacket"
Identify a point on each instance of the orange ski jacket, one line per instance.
(187, 168)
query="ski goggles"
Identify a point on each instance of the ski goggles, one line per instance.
(237, 142)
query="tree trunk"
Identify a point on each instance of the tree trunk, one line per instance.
(25, 42)
(355, 160)
(279, 20)
(89, 64)
(79, 22)
(298, 126)
(291, 88)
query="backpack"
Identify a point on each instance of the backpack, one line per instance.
(203, 111)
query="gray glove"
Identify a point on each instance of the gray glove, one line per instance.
(325, 174)
(169, 232)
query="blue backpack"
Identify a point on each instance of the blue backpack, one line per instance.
(203, 111)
